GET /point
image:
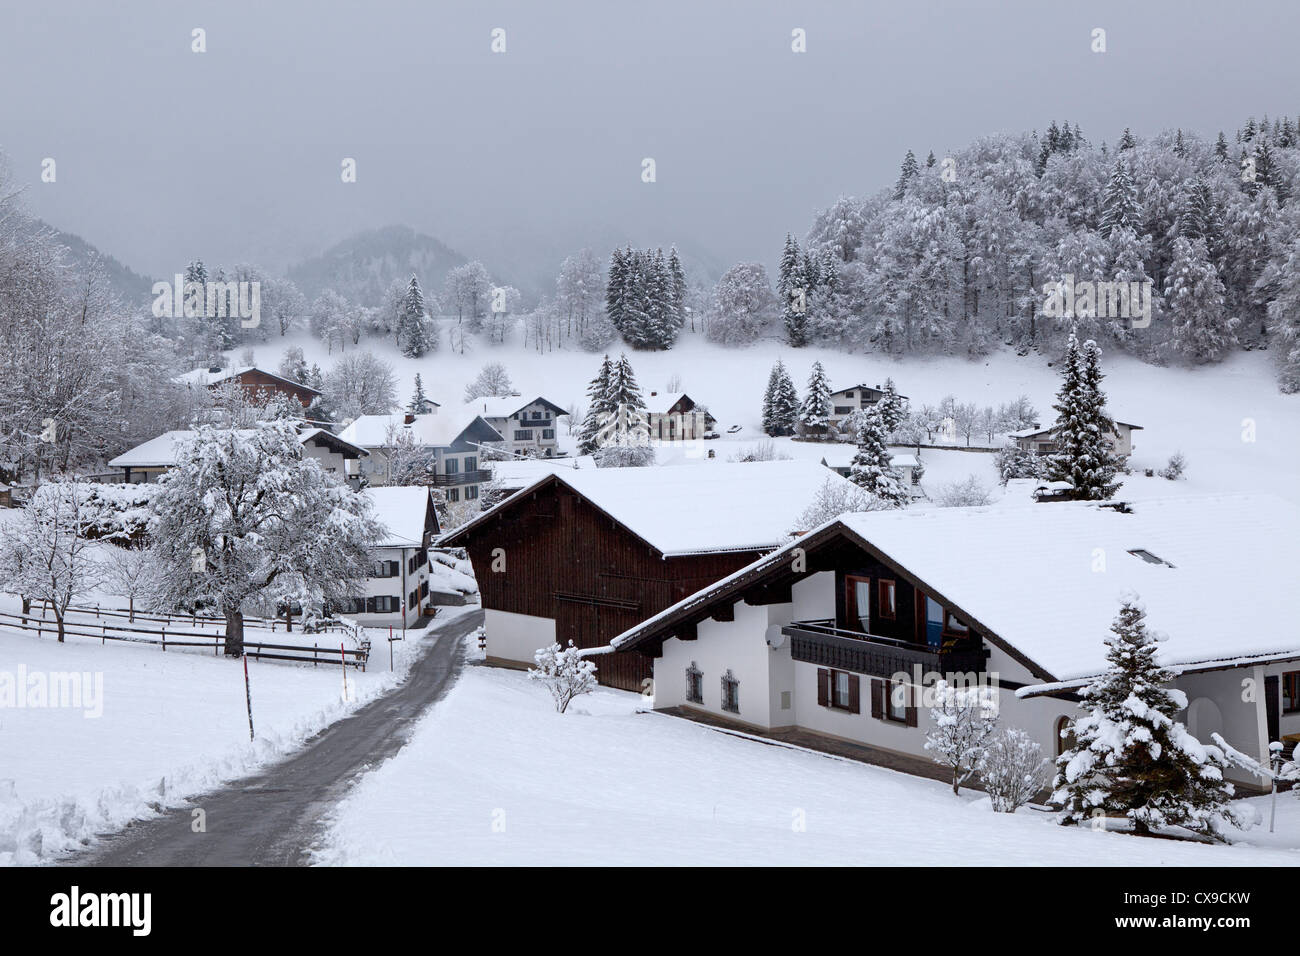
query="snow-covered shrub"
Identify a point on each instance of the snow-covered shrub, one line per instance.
(565, 673)
(624, 456)
(1013, 769)
(835, 498)
(1175, 468)
(963, 494)
(963, 724)
(1130, 757)
(1012, 461)
(117, 513)
(759, 451)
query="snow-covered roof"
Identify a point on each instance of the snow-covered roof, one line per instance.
(1036, 431)
(319, 436)
(1046, 580)
(490, 407)
(435, 430)
(402, 511)
(161, 452)
(206, 377)
(719, 506)
(521, 472)
(663, 402)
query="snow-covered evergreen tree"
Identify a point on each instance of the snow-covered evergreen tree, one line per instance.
(1200, 328)
(871, 468)
(413, 331)
(1084, 457)
(1119, 207)
(1283, 276)
(780, 402)
(815, 412)
(419, 403)
(893, 407)
(909, 171)
(600, 409)
(1130, 757)
(793, 290)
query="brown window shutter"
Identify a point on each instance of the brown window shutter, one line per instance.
(855, 694)
(823, 687)
(877, 698)
(911, 715)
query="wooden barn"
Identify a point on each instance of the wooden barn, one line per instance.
(257, 383)
(584, 555)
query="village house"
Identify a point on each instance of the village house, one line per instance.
(1042, 441)
(829, 638)
(528, 427)
(582, 555)
(146, 461)
(258, 384)
(398, 585)
(840, 460)
(846, 401)
(449, 450)
(674, 416)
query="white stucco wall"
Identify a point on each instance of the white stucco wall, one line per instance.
(515, 637)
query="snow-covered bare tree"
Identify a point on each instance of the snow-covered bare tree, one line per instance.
(963, 493)
(1013, 769)
(964, 719)
(565, 673)
(245, 523)
(834, 498)
(492, 381)
(44, 550)
(361, 384)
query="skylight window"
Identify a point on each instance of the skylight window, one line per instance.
(1148, 557)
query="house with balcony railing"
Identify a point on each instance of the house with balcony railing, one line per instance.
(441, 450)
(838, 635)
(528, 426)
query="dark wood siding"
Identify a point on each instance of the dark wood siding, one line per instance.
(567, 560)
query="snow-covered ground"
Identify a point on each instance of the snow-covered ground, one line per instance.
(1236, 430)
(164, 725)
(604, 784)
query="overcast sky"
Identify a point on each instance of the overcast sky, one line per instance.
(234, 154)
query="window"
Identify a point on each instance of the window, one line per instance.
(1064, 735)
(730, 693)
(1291, 692)
(890, 701)
(548, 434)
(524, 434)
(885, 593)
(694, 684)
(453, 494)
(413, 598)
(452, 466)
(857, 602)
(838, 690)
(848, 394)
(385, 569)
(471, 492)
(471, 463)
(843, 409)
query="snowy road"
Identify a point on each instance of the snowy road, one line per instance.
(270, 819)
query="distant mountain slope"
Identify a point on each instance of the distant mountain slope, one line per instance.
(361, 267)
(126, 282)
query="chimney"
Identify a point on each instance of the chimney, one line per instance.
(409, 418)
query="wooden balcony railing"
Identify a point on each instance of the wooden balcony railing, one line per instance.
(478, 476)
(823, 644)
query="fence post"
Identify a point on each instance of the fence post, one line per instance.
(104, 640)
(164, 639)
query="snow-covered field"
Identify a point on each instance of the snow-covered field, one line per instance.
(164, 726)
(604, 784)
(1236, 430)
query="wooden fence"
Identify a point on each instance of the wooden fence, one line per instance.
(316, 654)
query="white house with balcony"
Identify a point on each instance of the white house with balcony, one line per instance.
(528, 427)
(397, 587)
(1042, 441)
(445, 450)
(838, 634)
